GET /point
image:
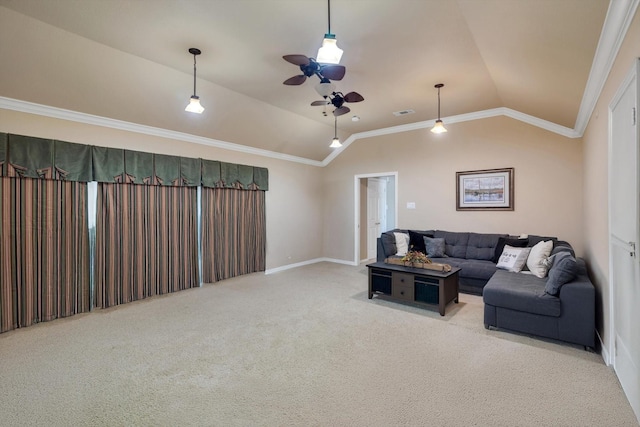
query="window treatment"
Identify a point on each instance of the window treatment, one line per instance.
(44, 250)
(233, 233)
(146, 236)
(146, 242)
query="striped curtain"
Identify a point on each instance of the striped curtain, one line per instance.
(44, 251)
(146, 242)
(233, 233)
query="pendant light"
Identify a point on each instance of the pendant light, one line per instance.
(329, 53)
(194, 103)
(336, 142)
(439, 126)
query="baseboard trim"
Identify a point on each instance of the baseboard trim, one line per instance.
(603, 350)
(308, 262)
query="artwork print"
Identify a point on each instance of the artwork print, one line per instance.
(490, 189)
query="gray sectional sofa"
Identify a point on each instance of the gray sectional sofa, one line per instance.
(515, 301)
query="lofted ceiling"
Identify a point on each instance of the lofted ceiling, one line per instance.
(533, 56)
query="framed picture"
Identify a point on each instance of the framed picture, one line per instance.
(490, 189)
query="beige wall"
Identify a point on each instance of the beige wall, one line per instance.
(294, 201)
(596, 178)
(548, 180)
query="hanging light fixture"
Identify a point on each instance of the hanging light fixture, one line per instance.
(329, 53)
(194, 103)
(439, 126)
(336, 142)
(325, 87)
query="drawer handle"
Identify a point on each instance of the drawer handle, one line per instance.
(401, 292)
(402, 280)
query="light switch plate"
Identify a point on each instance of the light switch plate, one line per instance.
(411, 205)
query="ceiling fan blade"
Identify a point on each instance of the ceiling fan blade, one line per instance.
(333, 72)
(353, 97)
(295, 80)
(317, 103)
(296, 59)
(340, 111)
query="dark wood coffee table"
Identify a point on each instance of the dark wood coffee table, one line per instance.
(414, 284)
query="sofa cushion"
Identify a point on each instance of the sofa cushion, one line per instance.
(482, 246)
(563, 270)
(537, 261)
(434, 247)
(513, 242)
(521, 292)
(416, 241)
(477, 269)
(455, 243)
(513, 259)
(389, 243)
(534, 240)
(402, 243)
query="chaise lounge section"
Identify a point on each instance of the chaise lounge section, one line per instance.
(561, 306)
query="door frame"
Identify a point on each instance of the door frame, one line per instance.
(609, 357)
(356, 204)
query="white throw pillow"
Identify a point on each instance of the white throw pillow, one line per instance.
(539, 253)
(402, 243)
(513, 259)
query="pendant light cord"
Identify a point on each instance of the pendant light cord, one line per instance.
(329, 15)
(438, 103)
(194, 75)
(335, 127)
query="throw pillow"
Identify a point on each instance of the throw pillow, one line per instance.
(402, 243)
(513, 259)
(538, 254)
(416, 241)
(514, 243)
(389, 243)
(434, 247)
(563, 270)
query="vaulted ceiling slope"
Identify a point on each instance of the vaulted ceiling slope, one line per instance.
(129, 60)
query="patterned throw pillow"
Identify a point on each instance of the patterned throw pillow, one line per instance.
(513, 259)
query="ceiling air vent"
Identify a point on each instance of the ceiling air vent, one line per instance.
(403, 113)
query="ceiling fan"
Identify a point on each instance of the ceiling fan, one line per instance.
(309, 67)
(337, 99)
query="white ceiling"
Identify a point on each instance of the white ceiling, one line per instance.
(533, 56)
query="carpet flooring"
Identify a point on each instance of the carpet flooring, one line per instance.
(303, 347)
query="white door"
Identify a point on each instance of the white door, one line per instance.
(625, 266)
(376, 208)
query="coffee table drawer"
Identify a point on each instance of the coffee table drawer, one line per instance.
(402, 286)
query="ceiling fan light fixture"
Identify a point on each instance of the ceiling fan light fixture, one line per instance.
(325, 88)
(194, 103)
(439, 126)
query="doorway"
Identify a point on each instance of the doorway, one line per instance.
(376, 211)
(624, 262)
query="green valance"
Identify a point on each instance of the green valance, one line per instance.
(31, 157)
(72, 161)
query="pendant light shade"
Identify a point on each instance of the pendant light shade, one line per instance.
(439, 126)
(194, 103)
(335, 143)
(329, 53)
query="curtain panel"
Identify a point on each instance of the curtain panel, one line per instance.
(233, 233)
(146, 242)
(44, 251)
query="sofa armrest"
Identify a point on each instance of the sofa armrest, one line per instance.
(380, 256)
(578, 305)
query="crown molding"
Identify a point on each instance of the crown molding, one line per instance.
(478, 115)
(75, 116)
(616, 24)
